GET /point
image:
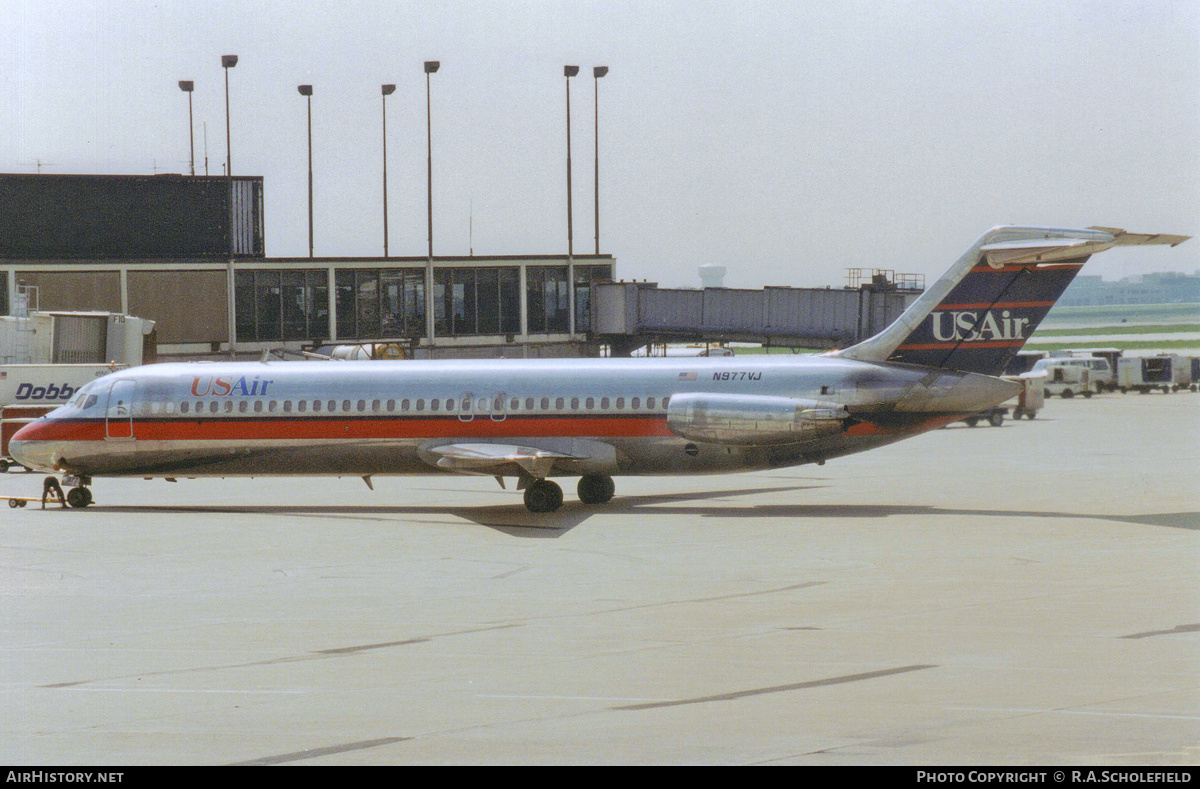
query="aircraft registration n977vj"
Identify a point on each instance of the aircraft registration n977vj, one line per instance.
(590, 418)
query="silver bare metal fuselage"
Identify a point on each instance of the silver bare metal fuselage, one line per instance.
(602, 416)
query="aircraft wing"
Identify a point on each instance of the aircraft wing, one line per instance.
(493, 458)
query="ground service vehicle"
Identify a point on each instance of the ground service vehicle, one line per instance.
(590, 418)
(1168, 372)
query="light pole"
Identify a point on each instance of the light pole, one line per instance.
(597, 73)
(431, 67)
(186, 85)
(568, 72)
(387, 91)
(228, 62)
(306, 91)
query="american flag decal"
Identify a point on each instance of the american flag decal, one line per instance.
(687, 376)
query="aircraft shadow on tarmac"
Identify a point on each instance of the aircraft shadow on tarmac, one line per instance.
(515, 520)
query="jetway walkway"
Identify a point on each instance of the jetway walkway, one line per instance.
(629, 315)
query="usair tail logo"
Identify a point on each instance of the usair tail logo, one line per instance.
(971, 326)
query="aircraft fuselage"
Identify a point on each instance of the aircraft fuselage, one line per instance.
(600, 416)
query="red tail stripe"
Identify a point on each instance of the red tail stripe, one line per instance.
(1020, 266)
(997, 305)
(964, 345)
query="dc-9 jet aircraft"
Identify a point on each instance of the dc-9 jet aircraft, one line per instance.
(591, 418)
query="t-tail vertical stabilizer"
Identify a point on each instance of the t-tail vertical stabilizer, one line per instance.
(982, 311)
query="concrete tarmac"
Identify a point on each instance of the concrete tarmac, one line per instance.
(1021, 595)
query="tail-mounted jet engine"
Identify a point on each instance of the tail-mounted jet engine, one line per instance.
(751, 420)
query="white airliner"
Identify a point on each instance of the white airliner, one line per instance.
(590, 418)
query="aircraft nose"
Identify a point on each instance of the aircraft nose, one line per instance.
(29, 447)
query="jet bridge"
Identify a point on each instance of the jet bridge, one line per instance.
(629, 315)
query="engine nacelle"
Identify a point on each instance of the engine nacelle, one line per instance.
(752, 419)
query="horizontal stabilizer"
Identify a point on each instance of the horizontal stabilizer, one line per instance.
(1040, 250)
(1125, 239)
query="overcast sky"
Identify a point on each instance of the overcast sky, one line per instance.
(783, 140)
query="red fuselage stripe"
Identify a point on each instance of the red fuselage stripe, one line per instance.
(234, 429)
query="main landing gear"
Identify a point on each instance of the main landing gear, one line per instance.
(542, 495)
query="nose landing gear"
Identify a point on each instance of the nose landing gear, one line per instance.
(79, 497)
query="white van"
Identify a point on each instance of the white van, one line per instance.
(1101, 376)
(1066, 377)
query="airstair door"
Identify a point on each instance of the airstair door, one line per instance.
(118, 422)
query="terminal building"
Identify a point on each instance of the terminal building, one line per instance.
(188, 253)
